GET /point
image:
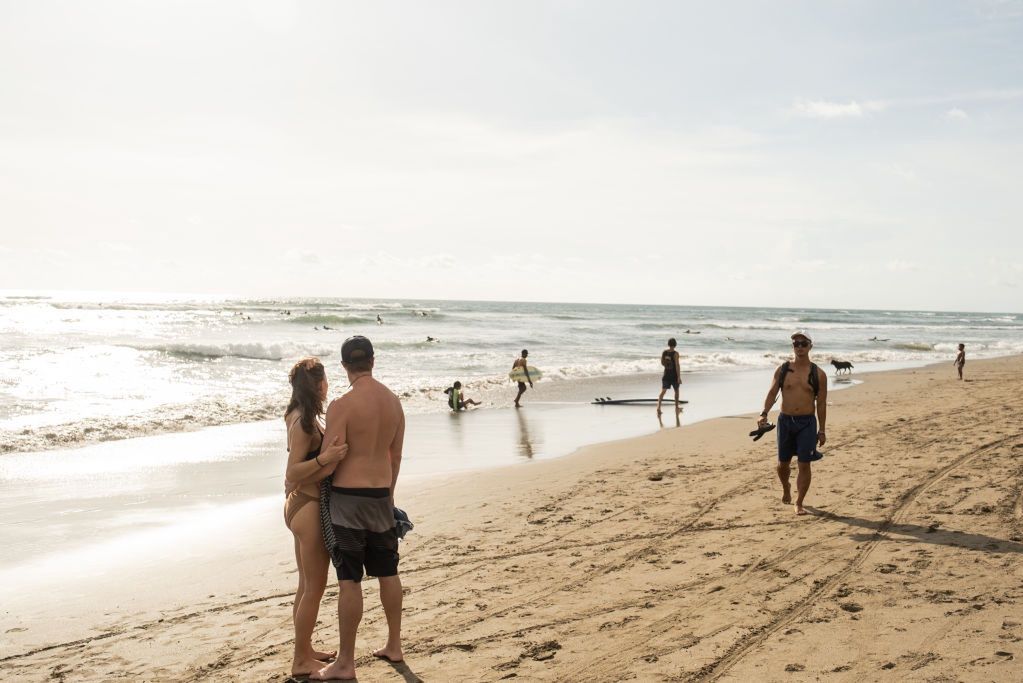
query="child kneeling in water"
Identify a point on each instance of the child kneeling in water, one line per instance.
(455, 400)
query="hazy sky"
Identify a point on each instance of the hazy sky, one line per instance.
(837, 154)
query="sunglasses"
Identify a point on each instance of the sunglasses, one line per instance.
(801, 344)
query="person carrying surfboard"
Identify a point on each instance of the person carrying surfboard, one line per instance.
(672, 374)
(804, 401)
(520, 362)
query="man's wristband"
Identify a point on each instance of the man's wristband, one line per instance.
(317, 459)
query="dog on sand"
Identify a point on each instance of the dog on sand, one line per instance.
(841, 365)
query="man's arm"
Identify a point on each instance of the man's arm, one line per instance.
(678, 366)
(395, 449)
(772, 396)
(822, 406)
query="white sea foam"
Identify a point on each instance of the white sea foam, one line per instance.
(251, 351)
(79, 370)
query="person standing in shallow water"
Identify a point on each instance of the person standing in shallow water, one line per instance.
(804, 401)
(309, 461)
(960, 360)
(672, 374)
(521, 362)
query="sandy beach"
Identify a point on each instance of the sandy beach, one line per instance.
(660, 558)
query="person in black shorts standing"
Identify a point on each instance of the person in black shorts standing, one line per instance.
(672, 374)
(804, 411)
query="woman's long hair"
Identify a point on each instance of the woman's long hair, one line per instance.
(305, 380)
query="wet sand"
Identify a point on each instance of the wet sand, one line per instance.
(663, 557)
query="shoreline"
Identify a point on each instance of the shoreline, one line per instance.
(531, 513)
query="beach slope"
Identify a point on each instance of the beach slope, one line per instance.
(670, 557)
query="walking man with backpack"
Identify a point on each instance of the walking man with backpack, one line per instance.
(804, 412)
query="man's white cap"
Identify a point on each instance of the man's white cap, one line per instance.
(802, 333)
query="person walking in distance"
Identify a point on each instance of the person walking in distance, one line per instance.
(804, 412)
(672, 374)
(369, 418)
(521, 362)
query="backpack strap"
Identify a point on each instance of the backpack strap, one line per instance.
(781, 376)
(813, 379)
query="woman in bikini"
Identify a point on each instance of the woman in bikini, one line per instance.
(309, 461)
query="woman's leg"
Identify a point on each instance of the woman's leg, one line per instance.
(313, 567)
(301, 579)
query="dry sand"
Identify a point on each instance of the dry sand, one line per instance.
(670, 557)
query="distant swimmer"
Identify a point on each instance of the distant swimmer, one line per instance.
(432, 339)
(878, 340)
(327, 328)
(804, 400)
(672, 373)
(455, 399)
(691, 332)
(520, 362)
(380, 321)
(729, 339)
(960, 360)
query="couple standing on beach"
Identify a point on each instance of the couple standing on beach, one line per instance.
(359, 449)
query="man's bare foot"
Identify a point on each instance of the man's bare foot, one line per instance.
(800, 510)
(393, 655)
(786, 495)
(324, 656)
(335, 671)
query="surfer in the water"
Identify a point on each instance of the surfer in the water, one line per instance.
(521, 363)
(672, 374)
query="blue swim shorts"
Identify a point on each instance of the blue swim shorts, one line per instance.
(797, 435)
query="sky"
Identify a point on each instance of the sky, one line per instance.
(822, 154)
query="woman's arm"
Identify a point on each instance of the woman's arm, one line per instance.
(302, 471)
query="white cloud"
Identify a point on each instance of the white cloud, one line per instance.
(900, 266)
(303, 256)
(822, 109)
(956, 114)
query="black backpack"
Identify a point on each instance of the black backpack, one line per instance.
(814, 379)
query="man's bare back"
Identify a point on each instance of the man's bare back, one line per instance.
(369, 418)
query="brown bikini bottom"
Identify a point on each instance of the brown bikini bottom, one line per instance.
(295, 501)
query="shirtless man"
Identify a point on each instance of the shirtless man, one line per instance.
(798, 432)
(520, 362)
(370, 419)
(672, 373)
(960, 360)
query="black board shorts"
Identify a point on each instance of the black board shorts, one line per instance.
(364, 538)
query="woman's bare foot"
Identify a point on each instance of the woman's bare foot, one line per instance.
(324, 656)
(393, 655)
(335, 671)
(305, 667)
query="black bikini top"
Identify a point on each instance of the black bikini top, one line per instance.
(312, 454)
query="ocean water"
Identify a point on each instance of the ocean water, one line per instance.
(82, 368)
